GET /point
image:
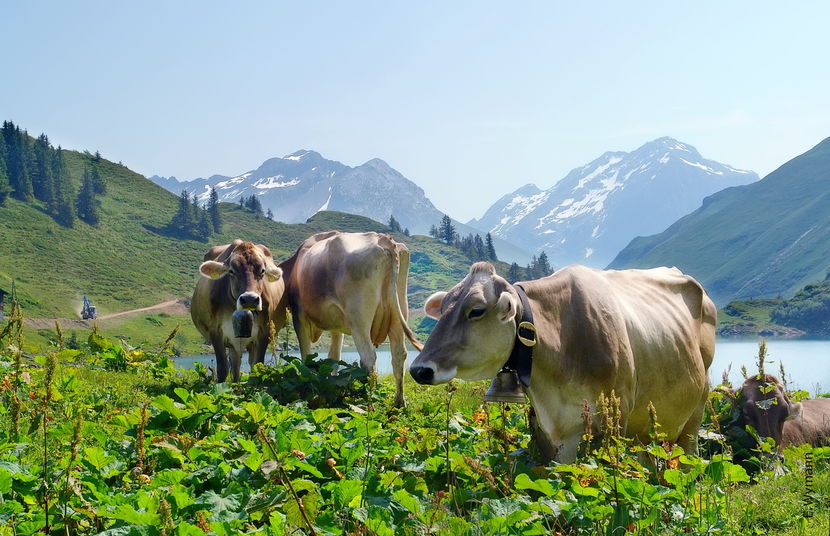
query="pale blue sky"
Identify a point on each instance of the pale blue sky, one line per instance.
(468, 99)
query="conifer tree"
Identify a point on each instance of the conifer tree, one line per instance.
(543, 268)
(480, 252)
(433, 231)
(42, 180)
(86, 205)
(513, 273)
(406, 232)
(446, 231)
(99, 185)
(394, 225)
(213, 211)
(269, 214)
(63, 206)
(181, 220)
(18, 160)
(491, 249)
(203, 225)
(5, 187)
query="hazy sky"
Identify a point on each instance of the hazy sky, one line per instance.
(468, 99)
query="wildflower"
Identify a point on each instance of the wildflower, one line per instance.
(144, 479)
(332, 463)
(479, 416)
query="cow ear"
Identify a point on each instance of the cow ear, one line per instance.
(265, 250)
(213, 269)
(794, 410)
(506, 307)
(433, 305)
(274, 273)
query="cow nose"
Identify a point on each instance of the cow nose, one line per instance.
(249, 301)
(422, 374)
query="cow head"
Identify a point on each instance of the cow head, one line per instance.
(765, 406)
(475, 331)
(246, 267)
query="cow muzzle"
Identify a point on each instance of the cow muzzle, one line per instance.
(423, 375)
(249, 301)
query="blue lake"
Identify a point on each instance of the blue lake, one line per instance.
(806, 361)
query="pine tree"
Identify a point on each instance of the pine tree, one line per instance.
(18, 159)
(543, 266)
(480, 252)
(513, 273)
(269, 214)
(446, 230)
(491, 249)
(213, 211)
(5, 187)
(433, 231)
(63, 206)
(394, 225)
(98, 183)
(86, 205)
(181, 220)
(203, 225)
(42, 181)
(406, 232)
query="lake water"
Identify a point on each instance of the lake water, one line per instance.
(806, 361)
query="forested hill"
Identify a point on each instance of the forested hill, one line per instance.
(137, 250)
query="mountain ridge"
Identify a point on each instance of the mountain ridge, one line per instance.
(758, 240)
(588, 216)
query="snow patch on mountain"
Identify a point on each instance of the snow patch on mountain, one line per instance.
(595, 210)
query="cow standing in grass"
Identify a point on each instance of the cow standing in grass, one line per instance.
(237, 276)
(353, 284)
(646, 335)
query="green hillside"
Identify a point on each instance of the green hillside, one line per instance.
(763, 240)
(128, 261)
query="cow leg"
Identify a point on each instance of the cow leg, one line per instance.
(336, 346)
(257, 351)
(302, 327)
(235, 355)
(221, 358)
(398, 350)
(688, 435)
(366, 349)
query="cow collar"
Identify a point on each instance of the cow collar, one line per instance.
(521, 358)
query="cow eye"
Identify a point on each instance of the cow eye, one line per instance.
(478, 312)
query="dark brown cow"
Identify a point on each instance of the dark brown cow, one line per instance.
(648, 335)
(353, 284)
(767, 408)
(237, 276)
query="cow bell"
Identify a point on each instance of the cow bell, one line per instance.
(243, 323)
(505, 387)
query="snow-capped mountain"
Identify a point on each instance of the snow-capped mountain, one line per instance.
(596, 210)
(300, 184)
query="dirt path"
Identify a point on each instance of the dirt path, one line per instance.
(170, 307)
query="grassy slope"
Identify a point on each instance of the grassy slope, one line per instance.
(766, 239)
(127, 262)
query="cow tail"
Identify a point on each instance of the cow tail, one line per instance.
(397, 263)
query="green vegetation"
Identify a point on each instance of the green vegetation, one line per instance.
(808, 310)
(112, 440)
(748, 318)
(136, 245)
(762, 240)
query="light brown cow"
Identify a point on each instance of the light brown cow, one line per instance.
(766, 407)
(237, 276)
(648, 335)
(354, 284)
